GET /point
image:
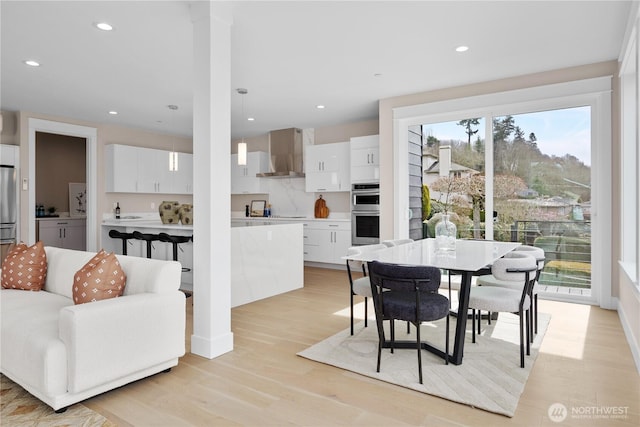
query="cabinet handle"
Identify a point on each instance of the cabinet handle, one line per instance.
(60, 233)
(372, 158)
(64, 233)
(321, 189)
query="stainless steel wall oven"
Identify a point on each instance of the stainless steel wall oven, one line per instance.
(365, 214)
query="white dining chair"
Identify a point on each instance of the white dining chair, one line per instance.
(361, 285)
(396, 242)
(490, 280)
(513, 267)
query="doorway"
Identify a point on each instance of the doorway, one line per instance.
(29, 184)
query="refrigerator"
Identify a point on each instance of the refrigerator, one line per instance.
(8, 208)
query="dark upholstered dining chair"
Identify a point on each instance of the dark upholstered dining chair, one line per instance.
(409, 293)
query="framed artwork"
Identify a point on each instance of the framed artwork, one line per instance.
(77, 199)
(257, 207)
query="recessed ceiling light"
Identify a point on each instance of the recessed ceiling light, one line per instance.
(113, 113)
(377, 75)
(320, 107)
(32, 63)
(104, 26)
(250, 119)
(462, 48)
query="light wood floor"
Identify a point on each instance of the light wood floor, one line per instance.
(584, 362)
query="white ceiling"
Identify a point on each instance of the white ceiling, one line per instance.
(290, 56)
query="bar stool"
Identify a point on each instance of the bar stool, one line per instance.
(148, 238)
(175, 241)
(115, 234)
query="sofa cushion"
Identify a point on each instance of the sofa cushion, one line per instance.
(63, 265)
(25, 267)
(100, 278)
(30, 347)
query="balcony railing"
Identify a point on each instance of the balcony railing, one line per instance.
(567, 246)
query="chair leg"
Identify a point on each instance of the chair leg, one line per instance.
(531, 319)
(379, 353)
(408, 327)
(527, 317)
(392, 329)
(365, 312)
(419, 352)
(446, 343)
(479, 319)
(351, 312)
(535, 298)
(521, 340)
(488, 317)
(473, 325)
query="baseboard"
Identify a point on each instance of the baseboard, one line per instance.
(325, 265)
(628, 333)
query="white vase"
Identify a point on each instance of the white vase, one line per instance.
(446, 233)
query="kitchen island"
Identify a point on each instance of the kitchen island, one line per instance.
(266, 260)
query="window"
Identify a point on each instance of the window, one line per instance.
(630, 163)
(589, 97)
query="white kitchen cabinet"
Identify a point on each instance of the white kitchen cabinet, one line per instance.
(9, 154)
(181, 181)
(243, 177)
(326, 241)
(68, 233)
(146, 170)
(327, 167)
(153, 171)
(122, 168)
(365, 159)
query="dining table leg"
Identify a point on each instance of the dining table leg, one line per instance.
(461, 318)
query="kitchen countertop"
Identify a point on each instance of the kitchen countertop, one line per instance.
(144, 223)
(133, 221)
(288, 219)
(58, 218)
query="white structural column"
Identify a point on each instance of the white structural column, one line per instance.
(212, 334)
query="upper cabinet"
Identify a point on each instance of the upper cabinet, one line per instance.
(243, 177)
(365, 159)
(327, 167)
(9, 154)
(146, 170)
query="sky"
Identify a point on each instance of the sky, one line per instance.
(558, 132)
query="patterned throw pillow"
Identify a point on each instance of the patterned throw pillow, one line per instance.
(100, 278)
(25, 267)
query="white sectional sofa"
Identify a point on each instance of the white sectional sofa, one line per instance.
(64, 353)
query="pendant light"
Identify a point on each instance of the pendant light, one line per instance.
(242, 146)
(173, 154)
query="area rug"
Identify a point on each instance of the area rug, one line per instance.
(19, 408)
(489, 377)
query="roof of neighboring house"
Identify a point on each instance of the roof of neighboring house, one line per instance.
(435, 168)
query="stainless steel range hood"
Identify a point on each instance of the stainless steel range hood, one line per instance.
(286, 155)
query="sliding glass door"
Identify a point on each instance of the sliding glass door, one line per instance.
(529, 182)
(542, 191)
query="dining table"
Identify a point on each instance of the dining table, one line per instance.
(468, 258)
